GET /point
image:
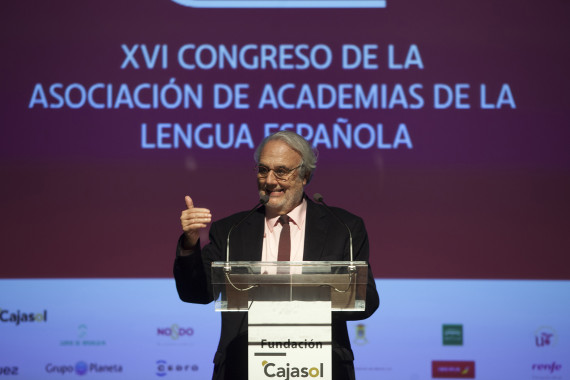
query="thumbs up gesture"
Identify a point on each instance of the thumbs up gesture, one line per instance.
(193, 219)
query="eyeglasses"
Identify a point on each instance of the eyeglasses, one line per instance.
(281, 173)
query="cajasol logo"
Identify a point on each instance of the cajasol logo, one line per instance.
(288, 372)
(18, 316)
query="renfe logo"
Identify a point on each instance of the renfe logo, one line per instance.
(547, 367)
(282, 3)
(452, 369)
(288, 372)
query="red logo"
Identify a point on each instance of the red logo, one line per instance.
(452, 369)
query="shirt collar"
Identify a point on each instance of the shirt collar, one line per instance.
(297, 217)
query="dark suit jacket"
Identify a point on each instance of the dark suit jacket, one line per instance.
(326, 239)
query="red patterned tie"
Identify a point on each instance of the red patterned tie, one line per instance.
(284, 252)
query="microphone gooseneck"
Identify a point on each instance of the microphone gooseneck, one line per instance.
(263, 199)
(317, 197)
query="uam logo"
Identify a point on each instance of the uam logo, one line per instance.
(545, 336)
(282, 3)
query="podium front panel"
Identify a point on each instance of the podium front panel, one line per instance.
(239, 283)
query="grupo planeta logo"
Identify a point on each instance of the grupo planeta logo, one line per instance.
(175, 332)
(163, 368)
(545, 336)
(17, 317)
(288, 372)
(452, 369)
(82, 368)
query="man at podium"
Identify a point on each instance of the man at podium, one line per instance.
(289, 227)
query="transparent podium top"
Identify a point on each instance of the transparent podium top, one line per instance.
(239, 283)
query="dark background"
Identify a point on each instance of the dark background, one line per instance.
(482, 194)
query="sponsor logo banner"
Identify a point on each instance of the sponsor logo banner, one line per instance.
(17, 317)
(175, 332)
(82, 339)
(360, 338)
(164, 368)
(9, 370)
(450, 369)
(545, 336)
(453, 335)
(82, 368)
(545, 370)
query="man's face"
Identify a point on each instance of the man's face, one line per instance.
(286, 194)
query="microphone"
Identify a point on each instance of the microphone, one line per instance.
(319, 198)
(263, 199)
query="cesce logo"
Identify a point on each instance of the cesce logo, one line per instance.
(270, 370)
(163, 368)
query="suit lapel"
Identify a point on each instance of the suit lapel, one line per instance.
(252, 231)
(316, 226)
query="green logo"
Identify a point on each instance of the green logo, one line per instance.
(453, 335)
